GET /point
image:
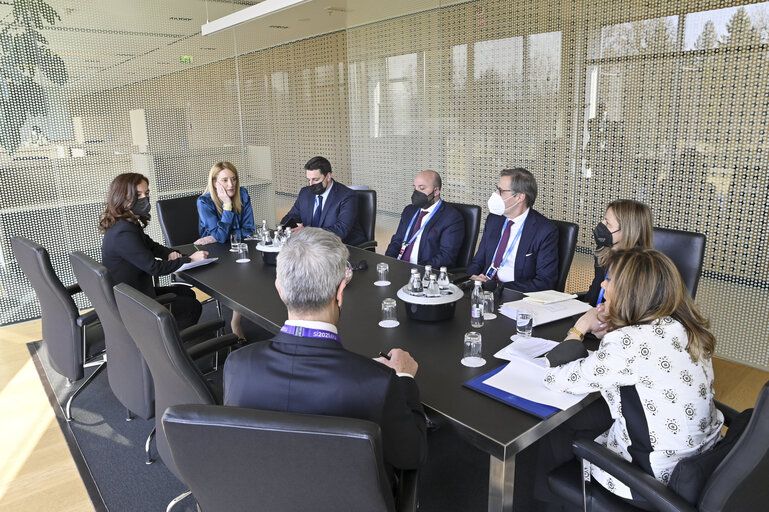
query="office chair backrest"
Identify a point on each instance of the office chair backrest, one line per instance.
(129, 376)
(686, 249)
(567, 244)
(367, 212)
(177, 379)
(178, 219)
(472, 216)
(740, 481)
(232, 458)
(61, 334)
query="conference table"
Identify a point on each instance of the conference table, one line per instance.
(496, 428)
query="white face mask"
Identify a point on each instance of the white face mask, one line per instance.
(497, 204)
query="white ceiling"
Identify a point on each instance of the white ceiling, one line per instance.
(108, 43)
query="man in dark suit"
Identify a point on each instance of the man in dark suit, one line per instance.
(326, 204)
(519, 245)
(430, 231)
(306, 369)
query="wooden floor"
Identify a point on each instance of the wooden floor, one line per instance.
(37, 472)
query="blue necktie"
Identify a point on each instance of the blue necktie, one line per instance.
(318, 211)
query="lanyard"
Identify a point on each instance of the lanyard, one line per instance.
(307, 332)
(600, 294)
(492, 271)
(404, 245)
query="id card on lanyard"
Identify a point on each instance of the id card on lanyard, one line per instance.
(307, 332)
(492, 271)
(405, 244)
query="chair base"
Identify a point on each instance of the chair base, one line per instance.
(176, 500)
(68, 408)
(147, 448)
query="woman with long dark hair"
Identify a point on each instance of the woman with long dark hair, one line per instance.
(132, 257)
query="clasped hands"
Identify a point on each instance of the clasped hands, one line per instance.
(594, 321)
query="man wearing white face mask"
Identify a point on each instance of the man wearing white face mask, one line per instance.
(519, 246)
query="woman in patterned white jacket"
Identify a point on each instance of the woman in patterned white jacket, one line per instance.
(653, 368)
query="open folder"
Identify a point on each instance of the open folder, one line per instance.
(544, 313)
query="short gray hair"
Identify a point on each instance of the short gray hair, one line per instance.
(310, 267)
(522, 182)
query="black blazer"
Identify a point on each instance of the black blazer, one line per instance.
(441, 239)
(318, 376)
(129, 255)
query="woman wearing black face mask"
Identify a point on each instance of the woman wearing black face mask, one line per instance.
(130, 255)
(626, 224)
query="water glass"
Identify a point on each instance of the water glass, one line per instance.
(389, 313)
(472, 355)
(382, 274)
(243, 254)
(235, 242)
(488, 306)
(524, 323)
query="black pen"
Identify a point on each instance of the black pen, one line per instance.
(382, 354)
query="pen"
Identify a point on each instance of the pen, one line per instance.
(196, 247)
(382, 354)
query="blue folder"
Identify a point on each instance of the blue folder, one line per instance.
(539, 410)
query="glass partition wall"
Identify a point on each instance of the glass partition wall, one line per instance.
(665, 103)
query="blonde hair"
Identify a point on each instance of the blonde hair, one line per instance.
(635, 221)
(646, 286)
(218, 167)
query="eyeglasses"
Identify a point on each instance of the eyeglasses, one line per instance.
(500, 190)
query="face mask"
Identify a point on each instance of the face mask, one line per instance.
(141, 207)
(317, 188)
(497, 204)
(422, 200)
(603, 237)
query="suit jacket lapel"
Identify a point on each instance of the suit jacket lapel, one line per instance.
(524, 243)
(328, 202)
(430, 223)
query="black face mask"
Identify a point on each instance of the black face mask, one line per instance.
(141, 207)
(422, 200)
(603, 237)
(317, 188)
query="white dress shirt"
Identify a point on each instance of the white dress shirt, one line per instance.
(324, 195)
(506, 272)
(414, 256)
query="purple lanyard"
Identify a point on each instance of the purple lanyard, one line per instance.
(307, 332)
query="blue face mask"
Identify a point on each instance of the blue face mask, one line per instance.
(141, 207)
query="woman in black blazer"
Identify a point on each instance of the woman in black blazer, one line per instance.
(131, 256)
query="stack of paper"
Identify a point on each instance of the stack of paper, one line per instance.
(544, 313)
(526, 347)
(193, 264)
(548, 296)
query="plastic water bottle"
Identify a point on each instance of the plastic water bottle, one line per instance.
(426, 278)
(415, 283)
(443, 279)
(432, 288)
(476, 306)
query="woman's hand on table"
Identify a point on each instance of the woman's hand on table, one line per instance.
(205, 240)
(174, 255)
(199, 255)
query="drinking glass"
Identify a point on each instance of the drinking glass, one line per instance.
(488, 306)
(243, 254)
(524, 323)
(389, 313)
(472, 355)
(382, 274)
(235, 242)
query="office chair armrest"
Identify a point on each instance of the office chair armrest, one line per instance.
(207, 329)
(729, 413)
(209, 347)
(73, 289)
(166, 298)
(581, 295)
(655, 492)
(458, 277)
(87, 318)
(368, 246)
(407, 499)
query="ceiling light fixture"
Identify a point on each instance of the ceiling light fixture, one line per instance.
(249, 13)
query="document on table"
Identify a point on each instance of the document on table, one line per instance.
(545, 313)
(526, 347)
(525, 378)
(548, 296)
(193, 264)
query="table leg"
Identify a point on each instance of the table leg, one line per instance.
(501, 480)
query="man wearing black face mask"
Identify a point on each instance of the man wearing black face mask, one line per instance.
(430, 231)
(326, 204)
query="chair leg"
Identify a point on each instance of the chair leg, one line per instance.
(147, 446)
(128, 414)
(585, 469)
(68, 408)
(177, 500)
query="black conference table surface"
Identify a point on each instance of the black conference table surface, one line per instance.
(496, 428)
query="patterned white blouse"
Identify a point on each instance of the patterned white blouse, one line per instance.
(661, 402)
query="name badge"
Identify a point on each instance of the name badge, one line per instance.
(404, 245)
(491, 272)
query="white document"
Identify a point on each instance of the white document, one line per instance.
(193, 264)
(526, 347)
(525, 378)
(545, 313)
(548, 296)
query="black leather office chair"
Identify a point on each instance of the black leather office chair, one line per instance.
(567, 244)
(178, 219)
(177, 379)
(367, 217)
(472, 215)
(738, 482)
(686, 249)
(282, 461)
(73, 341)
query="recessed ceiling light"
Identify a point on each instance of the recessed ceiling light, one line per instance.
(281, 27)
(208, 48)
(180, 18)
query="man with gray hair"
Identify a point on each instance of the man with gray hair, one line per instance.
(306, 369)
